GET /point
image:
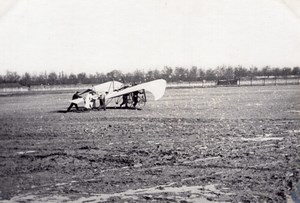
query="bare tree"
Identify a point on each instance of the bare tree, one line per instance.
(286, 71)
(11, 77)
(193, 74)
(180, 74)
(167, 73)
(253, 72)
(115, 75)
(201, 74)
(62, 78)
(72, 79)
(157, 74)
(81, 77)
(26, 80)
(266, 71)
(138, 76)
(52, 78)
(240, 72)
(210, 74)
(223, 72)
(296, 71)
(150, 75)
(100, 77)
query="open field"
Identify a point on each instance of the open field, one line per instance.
(194, 145)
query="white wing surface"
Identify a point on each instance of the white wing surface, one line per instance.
(156, 87)
(108, 86)
(104, 87)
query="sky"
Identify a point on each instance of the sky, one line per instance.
(102, 35)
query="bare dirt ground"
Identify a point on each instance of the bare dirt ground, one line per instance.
(237, 144)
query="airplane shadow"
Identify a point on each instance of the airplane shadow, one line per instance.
(82, 110)
(128, 108)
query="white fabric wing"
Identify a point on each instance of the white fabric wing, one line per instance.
(108, 86)
(156, 87)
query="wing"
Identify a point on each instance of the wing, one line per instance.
(104, 87)
(108, 86)
(156, 87)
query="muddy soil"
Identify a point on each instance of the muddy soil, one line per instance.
(238, 144)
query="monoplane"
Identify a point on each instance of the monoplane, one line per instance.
(118, 94)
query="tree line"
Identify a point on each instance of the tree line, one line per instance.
(170, 74)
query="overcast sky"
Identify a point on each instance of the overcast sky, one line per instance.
(102, 35)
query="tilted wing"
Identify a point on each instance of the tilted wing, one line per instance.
(104, 87)
(156, 87)
(108, 86)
